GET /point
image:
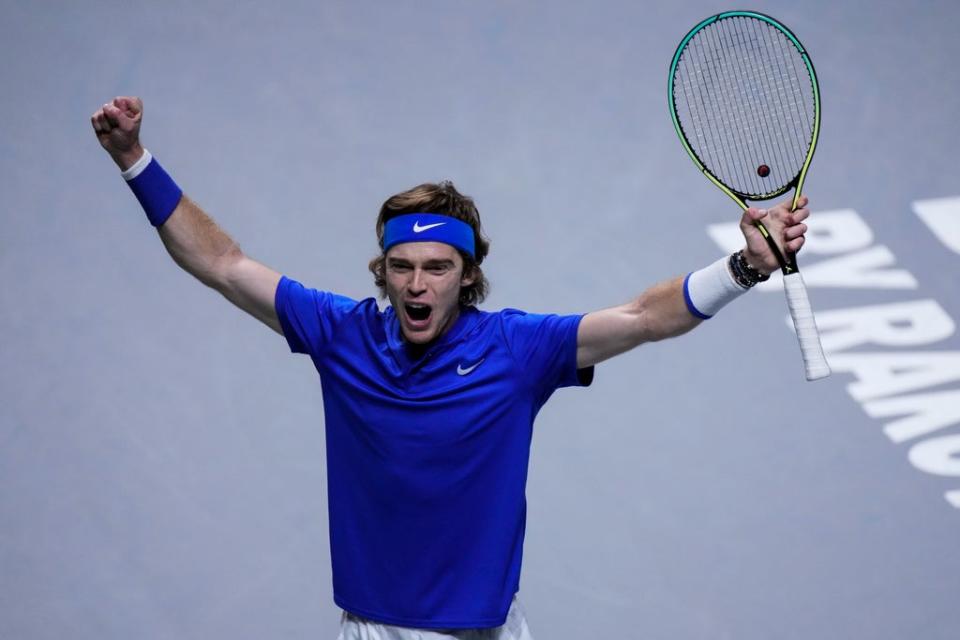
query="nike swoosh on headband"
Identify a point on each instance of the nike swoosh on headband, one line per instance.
(462, 372)
(418, 229)
(433, 227)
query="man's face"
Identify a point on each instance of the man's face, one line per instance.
(423, 284)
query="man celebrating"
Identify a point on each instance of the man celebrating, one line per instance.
(430, 403)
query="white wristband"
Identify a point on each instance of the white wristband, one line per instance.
(137, 167)
(707, 291)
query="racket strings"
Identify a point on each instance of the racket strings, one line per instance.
(723, 85)
(766, 86)
(744, 98)
(712, 113)
(791, 136)
(732, 110)
(794, 122)
(741, 82)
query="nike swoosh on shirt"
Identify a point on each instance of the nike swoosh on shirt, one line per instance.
(418, 229)
(462, 372)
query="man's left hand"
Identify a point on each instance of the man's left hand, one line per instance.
(785, 226)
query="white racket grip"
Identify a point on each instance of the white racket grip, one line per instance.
(814, 361)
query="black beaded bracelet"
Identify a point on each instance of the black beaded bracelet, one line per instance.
(745, 275)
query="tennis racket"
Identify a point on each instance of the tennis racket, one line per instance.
(745, 102)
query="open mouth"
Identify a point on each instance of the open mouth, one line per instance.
(418, 313)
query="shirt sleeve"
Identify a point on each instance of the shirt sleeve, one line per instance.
(546, 346)
(309, 317)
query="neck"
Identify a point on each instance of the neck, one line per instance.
(416, 351)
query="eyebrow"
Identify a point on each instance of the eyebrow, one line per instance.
(437, 262)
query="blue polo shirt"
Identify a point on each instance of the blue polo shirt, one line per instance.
(427, 458)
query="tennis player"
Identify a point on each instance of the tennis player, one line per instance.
(429, 404)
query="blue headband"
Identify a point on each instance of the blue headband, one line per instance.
(429, 227)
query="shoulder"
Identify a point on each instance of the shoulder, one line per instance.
(291, 289)
(517, 318)
(520, 327)
(294, 299)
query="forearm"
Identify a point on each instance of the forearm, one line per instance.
(198, 245)
(205, 251)
(676, 306)
(192, 238)
(670, 308)
(661, 312)
(656, 314)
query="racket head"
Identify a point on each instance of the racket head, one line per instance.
(745, 102)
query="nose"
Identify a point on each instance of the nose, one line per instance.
(417, 283)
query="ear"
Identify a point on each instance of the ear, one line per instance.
(469, 277)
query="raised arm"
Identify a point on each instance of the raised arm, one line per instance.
(191, 237)
(663, 311)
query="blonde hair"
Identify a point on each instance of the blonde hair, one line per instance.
(443, 199)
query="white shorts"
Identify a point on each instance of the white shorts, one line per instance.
(356, 628)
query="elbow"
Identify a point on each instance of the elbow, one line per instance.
(655, 323)
(218, 272)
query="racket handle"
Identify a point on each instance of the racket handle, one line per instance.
(814, 361)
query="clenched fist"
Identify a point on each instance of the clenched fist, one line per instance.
(117, 125)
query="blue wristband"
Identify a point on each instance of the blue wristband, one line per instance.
(157, 192)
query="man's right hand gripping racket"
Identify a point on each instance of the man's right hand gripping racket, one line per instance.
(745, 102)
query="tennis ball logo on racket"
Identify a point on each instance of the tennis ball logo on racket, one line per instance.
(763, 171)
